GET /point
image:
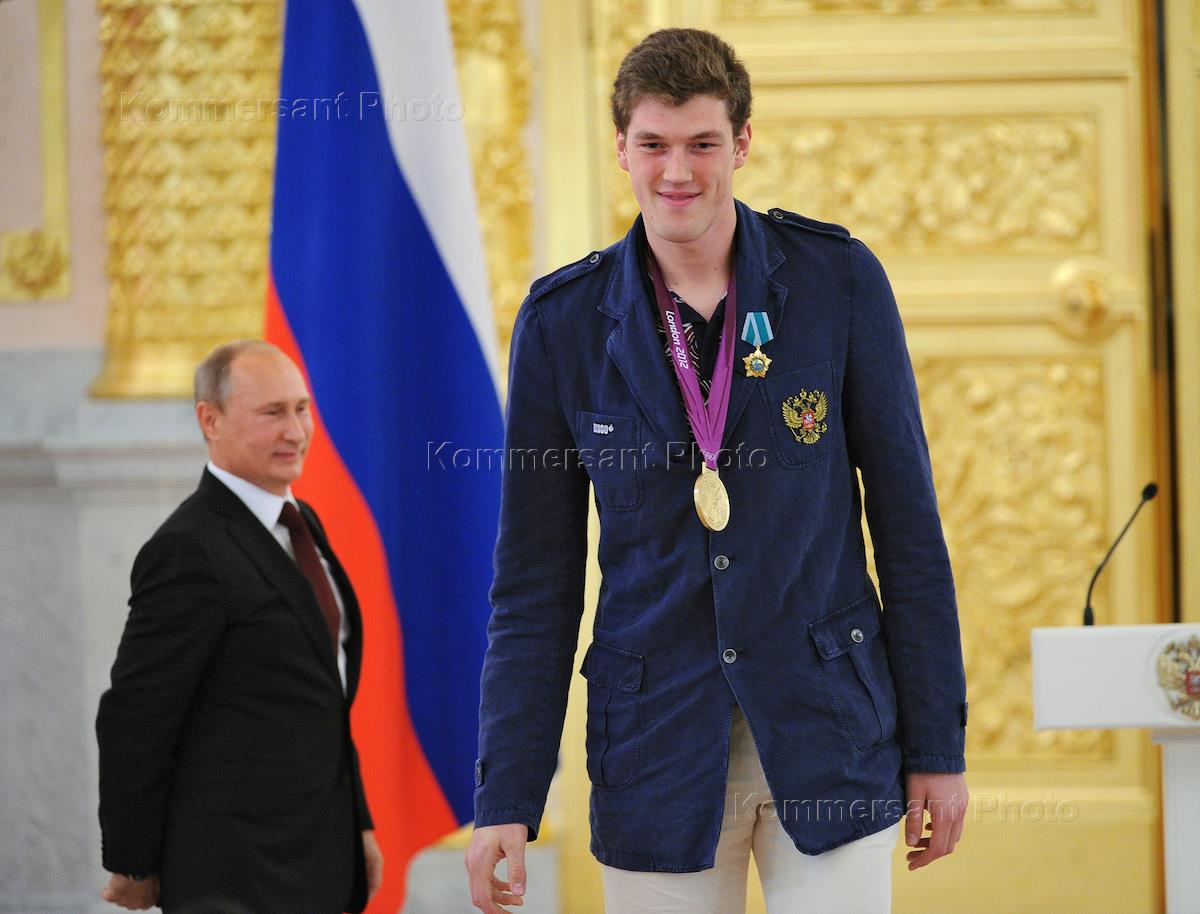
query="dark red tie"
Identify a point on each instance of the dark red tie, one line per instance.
(309, 560)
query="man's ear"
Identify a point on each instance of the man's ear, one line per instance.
(622, 152)
(208, 417)
(741, 145)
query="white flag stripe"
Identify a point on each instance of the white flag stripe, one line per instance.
(419, 98)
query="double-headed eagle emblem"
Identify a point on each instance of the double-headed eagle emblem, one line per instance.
(805, 413)
(1179, 675)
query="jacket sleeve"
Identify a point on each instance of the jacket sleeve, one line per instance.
(887, 443)
(176, 617)
(537, 591)
(365, 822)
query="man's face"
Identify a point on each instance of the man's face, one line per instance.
(681, 161)
(263, 432)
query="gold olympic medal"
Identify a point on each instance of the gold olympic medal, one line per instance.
(712, 501)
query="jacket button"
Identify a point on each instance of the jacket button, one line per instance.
(721, 562)
(777, 215)
(856, 635)
(730, 655)
(594, 258)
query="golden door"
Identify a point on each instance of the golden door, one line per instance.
(994, 154)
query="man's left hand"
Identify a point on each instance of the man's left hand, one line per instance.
(134, 894)
(374, 863)
(945, 796)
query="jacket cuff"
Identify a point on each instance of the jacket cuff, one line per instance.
(501, 815)
(935, 764)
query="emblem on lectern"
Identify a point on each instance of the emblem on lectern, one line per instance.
(1179, 675)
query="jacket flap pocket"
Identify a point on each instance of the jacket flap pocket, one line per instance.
(835, 633)
(612, 667)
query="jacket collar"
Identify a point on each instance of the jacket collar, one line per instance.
(636, 347)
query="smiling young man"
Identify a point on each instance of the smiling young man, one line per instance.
(727, 378)
(228, 778)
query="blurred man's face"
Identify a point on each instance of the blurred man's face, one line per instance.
(263, 432)
(681, 161)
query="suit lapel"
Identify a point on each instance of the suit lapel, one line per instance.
(275, 565)
(636, 347)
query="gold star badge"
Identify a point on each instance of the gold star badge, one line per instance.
(757, 363)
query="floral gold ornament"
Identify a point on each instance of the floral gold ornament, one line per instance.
(1179, 675)
(805, 414)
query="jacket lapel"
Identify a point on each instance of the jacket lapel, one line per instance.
(757, 257)
(275, 565)
(636, 347)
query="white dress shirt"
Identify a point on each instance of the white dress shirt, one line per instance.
(267, 507)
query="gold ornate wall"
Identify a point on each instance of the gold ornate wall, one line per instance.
(189, 139)
(189, 157)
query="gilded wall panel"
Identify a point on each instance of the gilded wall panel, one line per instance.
(189, 101)
(35, 258)
(1019, 448)
(928, 185)
(783, 9)
(494, 74)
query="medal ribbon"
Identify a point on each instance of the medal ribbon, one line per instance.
(757, 329)
(706, 418)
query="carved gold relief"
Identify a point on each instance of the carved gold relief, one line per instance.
(35, 262)
(1017, 184)
(744, 9)
(189, 135)
(1019, 457)
(494, 77)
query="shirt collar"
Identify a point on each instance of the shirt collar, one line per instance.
(264, 505)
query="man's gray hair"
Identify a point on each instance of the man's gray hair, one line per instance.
(212, 375)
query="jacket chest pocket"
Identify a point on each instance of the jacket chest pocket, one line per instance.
(614, 714)
(853, 662)
(609, 449)
(802, 413)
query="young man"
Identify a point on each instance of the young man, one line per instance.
(228, 778)
(726, 377)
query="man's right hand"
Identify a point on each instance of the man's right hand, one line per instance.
(135, 894)
(489, 845)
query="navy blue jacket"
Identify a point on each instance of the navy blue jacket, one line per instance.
(777, 612)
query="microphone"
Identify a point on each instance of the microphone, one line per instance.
(1148, 493)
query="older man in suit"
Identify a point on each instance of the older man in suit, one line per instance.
(228, 777)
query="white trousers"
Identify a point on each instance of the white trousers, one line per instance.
(855, 878)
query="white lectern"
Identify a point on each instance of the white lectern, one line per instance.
(1134, 676)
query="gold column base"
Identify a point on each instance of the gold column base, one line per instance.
(150, 370)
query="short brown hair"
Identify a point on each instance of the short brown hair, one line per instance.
(212, 375)
(674, 65)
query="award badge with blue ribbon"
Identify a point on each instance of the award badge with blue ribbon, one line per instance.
(756, 331)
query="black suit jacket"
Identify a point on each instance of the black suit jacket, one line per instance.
(226, 762)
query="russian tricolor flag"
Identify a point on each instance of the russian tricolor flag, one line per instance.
(378, 290)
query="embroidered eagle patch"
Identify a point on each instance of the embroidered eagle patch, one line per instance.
(805, 413)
